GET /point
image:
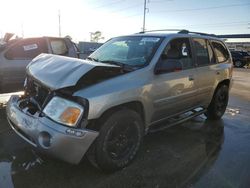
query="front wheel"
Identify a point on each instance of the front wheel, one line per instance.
(218, 105)
(119, 140)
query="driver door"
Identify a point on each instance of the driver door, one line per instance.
(175, 85)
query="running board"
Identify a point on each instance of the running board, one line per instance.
(176, 120)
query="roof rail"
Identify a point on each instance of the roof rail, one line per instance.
(149, 31)
(199, 33)
(180, 31)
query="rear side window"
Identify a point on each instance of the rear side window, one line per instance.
(26, 49)
(211, 53)
(202, 56)
(220, 51)
(58, 47)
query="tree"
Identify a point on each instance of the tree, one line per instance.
(96, 36)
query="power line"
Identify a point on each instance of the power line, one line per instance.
(219, 26)
(204, 8)
(126, 8)
(132, 15)
(160, 1)
(108, 4)
(215, 24)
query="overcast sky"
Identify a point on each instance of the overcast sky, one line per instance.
(118, 17)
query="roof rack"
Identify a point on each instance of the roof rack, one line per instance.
(180, 31)
(184, 31)
(199, 33)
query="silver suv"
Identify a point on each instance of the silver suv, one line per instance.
(103, 106)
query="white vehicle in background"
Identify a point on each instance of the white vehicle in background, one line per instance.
(16, 54)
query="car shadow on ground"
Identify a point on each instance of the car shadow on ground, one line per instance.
(171, 158)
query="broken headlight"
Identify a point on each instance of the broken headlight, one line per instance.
(63, 111)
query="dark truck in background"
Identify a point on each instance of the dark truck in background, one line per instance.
(16, 54)
(240, 58)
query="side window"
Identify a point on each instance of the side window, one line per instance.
(177, 55)
(211, 53)
(220, 51)
(202, 56)
(26, 49)
(58, 46)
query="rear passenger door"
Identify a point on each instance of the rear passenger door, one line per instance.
(208, 71)
(174, 88)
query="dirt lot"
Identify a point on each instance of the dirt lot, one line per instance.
(198, 153)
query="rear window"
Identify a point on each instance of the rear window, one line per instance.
(58, 47)
(26, 49)
(220, 51)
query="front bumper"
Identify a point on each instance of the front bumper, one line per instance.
(66, 143)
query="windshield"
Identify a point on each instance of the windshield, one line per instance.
(132, 50)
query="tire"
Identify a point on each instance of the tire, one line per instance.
(238, 64)
(219, 102)
(119, 139)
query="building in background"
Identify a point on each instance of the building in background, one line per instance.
(244, 46)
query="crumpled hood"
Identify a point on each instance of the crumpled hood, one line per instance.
(57, 72)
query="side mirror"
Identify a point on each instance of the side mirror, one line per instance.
(170, 65)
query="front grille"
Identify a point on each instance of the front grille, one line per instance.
(41, 94)
(36, 91)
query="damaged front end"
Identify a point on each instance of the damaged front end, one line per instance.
(47, 116)
(46, 135)
(31, 117)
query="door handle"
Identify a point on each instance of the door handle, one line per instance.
(191, 78)
(218, 72)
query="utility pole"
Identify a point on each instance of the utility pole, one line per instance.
(59, 23)
(22, 31)
(144, 15)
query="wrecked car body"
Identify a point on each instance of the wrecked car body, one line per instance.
(103, 106)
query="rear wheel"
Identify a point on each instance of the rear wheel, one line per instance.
(218, 105)
(119, 140)
(238, 64)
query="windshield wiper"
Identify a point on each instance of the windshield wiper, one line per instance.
(92, 59)
(125, 67)
(113, 63)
